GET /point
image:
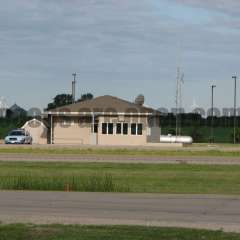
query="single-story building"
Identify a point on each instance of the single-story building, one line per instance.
(104, 120)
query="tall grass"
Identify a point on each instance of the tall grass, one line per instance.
(94, 183)
(118, 177)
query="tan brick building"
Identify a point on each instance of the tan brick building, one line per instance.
(104, 120)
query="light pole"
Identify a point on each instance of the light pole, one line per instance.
(235, 108)
(74, 87)
(212, 112)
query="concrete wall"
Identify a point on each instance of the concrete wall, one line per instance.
(154, 134)
(72, 132)
(154, 130)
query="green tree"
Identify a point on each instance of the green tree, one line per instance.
(86, 96)
(60, 100)
(196, 134)
(65, 99)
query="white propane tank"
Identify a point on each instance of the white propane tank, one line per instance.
(176, 139)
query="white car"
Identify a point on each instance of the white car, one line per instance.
(18, 136)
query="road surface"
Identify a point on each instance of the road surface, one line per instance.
(194, 211)
(118, 159)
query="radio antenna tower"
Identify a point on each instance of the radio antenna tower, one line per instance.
(180, 82)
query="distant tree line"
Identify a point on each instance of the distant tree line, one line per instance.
(11, 122)
(193, 119)
(199, 127)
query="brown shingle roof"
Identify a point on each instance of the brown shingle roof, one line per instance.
(104, 104)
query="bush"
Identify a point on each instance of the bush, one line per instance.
(196, 134)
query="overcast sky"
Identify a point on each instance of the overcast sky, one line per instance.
(119, 47)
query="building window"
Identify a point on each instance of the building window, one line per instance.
(107, 128)
(104, 128)
(133, 128)
(110, 128)
(136, 129)
(119, 128)
(139, 129)
(95, 128)
(125, 129)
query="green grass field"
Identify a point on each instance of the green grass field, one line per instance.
(112, 177)
(199, 150)
(59, 232)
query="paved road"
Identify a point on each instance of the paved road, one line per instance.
(195, 211)
(118, 159)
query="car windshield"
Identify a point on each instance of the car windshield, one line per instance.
(16, 133)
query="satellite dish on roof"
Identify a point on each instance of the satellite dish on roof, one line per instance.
(140, 99)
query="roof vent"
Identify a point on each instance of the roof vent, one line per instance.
(140, 99)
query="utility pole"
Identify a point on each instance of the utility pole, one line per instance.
(212, 121)
(235, 108)
(74, 87)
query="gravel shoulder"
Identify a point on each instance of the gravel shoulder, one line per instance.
(15, 157)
